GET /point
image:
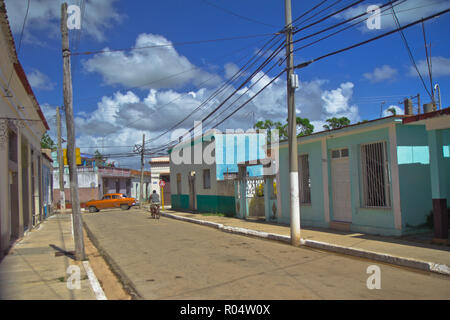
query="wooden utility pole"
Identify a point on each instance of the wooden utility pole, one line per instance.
(292, 129)
(60, 162)
(71, 158)
(141, 193)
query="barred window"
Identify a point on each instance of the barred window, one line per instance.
(304, 179)
(375, 179)
(206, 179)
(179, 183)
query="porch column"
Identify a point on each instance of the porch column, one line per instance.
(268, 190)
(19, 178)
(30, 189)
(325, 179)
(4, 187)
(439, 190)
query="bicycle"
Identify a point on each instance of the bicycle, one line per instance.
(154, 209)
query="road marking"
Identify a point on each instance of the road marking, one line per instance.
(99, 294)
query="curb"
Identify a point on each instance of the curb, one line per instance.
(382, 257)
(121, 276)
(96, 287)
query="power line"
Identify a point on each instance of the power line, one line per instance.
(411, 57)
(20, 42)
(235, 76)
(175, 74)
(329, 16)
(237, 15)
(312, 9)
(304, 64)
(173, 44)
(346, 21)
(340, 30)
(180, 96)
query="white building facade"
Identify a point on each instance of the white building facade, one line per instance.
(22, 125)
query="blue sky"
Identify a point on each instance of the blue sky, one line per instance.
(110, 111)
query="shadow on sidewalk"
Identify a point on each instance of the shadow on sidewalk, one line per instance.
(62, 252)
(421, 239)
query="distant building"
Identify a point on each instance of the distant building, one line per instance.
(95, 181)
(160, 168)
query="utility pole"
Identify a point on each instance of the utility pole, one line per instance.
(141, 194)
(60, 162)
(292, 129)
(418, 103)
(71, 158)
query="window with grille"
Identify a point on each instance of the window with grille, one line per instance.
(304, 179)
(206, 179)
(375, 179)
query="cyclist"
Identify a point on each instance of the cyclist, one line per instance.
(154, 206)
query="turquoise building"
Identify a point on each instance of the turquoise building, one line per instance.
(203, 169)
(376, 177)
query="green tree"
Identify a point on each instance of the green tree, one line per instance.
(47, 142)
(334, 123)
(393, 111)
(269, 125)
(99, 158)
(304, 127)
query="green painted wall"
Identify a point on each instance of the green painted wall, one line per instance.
(414, 174)
(216, 204)
(310, 214)
(380, 219)
(180, 201)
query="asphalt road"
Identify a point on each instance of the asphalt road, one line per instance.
(169, 259)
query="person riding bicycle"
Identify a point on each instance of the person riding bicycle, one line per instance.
(154, 200)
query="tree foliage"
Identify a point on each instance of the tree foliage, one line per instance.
(334, 123)
(47, 142)
(304, 127)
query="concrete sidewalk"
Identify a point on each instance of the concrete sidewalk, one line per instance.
(427, 257)
(33, 271)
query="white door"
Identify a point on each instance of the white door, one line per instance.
(340, 176)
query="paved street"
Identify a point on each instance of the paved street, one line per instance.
(169, 259)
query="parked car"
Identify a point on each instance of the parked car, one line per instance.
(111, 200)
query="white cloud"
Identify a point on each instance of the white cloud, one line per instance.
(40, 81)
(122, 118)
(398, 111)
(440, 67)
(230, 70)
(44, 17)
(382, 73)
(146, 67)
(407, 12)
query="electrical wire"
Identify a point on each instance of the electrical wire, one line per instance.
(338, 31)
(237, 15)
(173, 44)
(304, 64)
(411, 57)
(20, 42)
